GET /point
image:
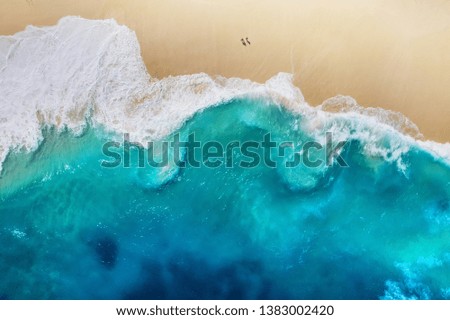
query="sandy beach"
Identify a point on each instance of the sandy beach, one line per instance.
(389, 54)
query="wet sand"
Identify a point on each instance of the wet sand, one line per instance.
(389, 54)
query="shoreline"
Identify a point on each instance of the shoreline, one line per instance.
(387, 55)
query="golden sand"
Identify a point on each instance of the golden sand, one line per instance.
(393, 54)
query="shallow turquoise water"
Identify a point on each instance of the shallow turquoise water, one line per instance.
(71, 228)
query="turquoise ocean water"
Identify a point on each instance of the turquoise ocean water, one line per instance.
(72, 229)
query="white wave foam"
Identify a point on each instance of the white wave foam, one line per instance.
(438, 150)
(61, 75)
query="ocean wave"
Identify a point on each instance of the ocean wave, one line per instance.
(91, 71)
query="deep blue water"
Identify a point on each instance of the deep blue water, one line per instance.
(71, 228)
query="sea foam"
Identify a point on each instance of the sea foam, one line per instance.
(83, 72)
